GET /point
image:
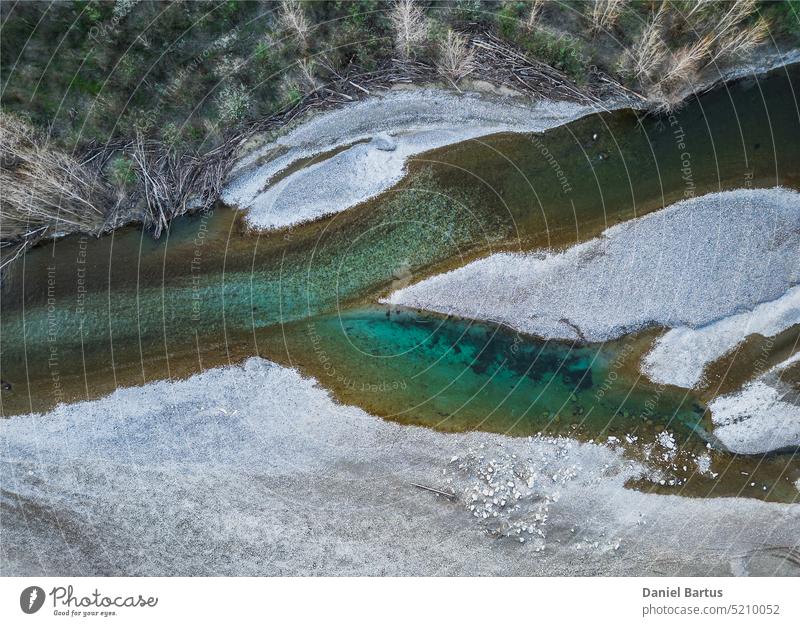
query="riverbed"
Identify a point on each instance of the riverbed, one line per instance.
(83, 317)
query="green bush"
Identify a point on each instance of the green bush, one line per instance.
(121, 172)
(509, 18)
(233, 104)
(560, 51)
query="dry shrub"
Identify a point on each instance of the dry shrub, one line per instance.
(410, 27)
(293, 19)
(728, 38)
(741, 43)
(665, 75)
(684, 64)
(306, 73)
(739, 10)
(697, 7)
(534, 12)
(650, 52)
(605, 14)
(456, 57)
(44, 191)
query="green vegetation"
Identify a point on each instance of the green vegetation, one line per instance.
(784, 15)
(91, 70)
(562, 52)
(183, 76)
(122, 172)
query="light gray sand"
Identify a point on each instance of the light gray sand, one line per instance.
(380, 133)
(255, 470)
(690, 264)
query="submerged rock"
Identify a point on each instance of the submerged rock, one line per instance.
(257, 471)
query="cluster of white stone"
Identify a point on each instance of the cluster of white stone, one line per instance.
(511, 496)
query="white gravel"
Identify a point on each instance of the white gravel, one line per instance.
(691, 264)
(378, 135)
(254, 470)
(762, 417)
(682, 354)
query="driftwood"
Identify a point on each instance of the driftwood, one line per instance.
(449, 496)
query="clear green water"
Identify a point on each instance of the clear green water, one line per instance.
(457, 375)
(82, 316)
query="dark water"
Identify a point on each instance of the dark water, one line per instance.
(82, 316)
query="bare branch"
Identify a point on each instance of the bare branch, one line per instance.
(649, 52)
(456, 58)
(410, 27)
(533, 14)
(741, 43)
(43, 187)
(685, 63)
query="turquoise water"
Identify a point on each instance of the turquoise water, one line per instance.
(454, 374)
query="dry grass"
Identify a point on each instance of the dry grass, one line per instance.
(306, 71)
(684, 64)
(605, 14)
(456, 57)
(740, 43)
(294, 20)
(697, 7)
(724, 30)
(650, 52)
(534, 12)
(664, 75)
(44, 191)
(410, 27)
(739, 10)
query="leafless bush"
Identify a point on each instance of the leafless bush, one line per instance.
(456, 58)
(306, 71)
(605, 14)
(409, 25)
(727, 36)
(698, 6)
(294, 20)
(665, 75)
(44, 190)
(739, 9)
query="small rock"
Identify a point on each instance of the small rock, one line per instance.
(383, 142)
